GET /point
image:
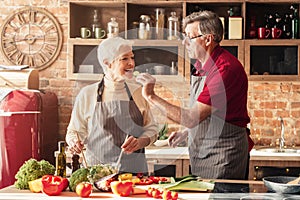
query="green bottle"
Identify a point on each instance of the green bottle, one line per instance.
(61, 164)
(295, 25)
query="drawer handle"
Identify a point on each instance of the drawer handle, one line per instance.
(152, 161)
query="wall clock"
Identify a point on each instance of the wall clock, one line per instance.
(31, 36)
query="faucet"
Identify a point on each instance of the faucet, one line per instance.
(281, 139)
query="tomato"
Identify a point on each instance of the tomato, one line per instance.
(65, 183)
(156, 194)
(169, 195)
(140, 175)
(157, 179)
(145, 181)
(84, 189)
(122, 188)
(153, 192)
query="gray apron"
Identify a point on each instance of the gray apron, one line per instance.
(217, 149)
(112, 121)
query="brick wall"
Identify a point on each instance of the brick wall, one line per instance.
(267, 100)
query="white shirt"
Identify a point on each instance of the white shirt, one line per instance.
(85, 103)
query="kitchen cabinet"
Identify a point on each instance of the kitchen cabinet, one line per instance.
(264, 59)
(273, 164)
(167, 161)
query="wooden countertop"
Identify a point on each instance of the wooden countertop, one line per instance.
(255, 189)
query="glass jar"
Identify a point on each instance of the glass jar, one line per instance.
(173, 25)
(159, 23)
(95, 22)
(112, 28)
(144, 27)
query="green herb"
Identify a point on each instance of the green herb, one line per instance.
(32, 170)
(162, 134)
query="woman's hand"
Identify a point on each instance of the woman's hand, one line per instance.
(132, 144)
(75, 147)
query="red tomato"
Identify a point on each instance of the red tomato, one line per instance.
(157, 179)
(84, 189)
(169, 195)
(122, 188)
(65, 183)
(145, 181)
(156, 194)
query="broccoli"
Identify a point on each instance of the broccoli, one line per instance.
(80, 175)
(32, 170)
(90, 174)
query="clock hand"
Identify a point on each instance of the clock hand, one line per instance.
(30, 38)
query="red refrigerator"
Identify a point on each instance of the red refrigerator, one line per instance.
(28, 129)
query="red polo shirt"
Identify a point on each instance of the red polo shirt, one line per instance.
(226, 87)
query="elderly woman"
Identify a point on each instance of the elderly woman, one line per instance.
(111, 116)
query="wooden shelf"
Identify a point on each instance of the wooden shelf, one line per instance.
(127, 12)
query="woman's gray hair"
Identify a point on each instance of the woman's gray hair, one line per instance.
(209, 23)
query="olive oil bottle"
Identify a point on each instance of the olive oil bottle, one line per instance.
(61, 165)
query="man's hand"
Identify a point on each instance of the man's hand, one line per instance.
(177, 137)
(132, 144)
(75, 147)
(148, 83)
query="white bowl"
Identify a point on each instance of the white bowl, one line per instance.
(160, 143)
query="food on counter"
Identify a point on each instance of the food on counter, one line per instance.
(162, 134)
(80, 175)
(122, 188)
(126, 176)
(161, 194)
(99, 171)
(84, 189)
(145, 181)
(36, 186)
(104, 184)
(190, 183)
(53, 185)
(32, 170)
(91, 174)
(169, 195)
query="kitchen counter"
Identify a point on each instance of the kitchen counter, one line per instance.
(224, 189)
(179, 157)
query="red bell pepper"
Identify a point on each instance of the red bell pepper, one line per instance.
(53, 185)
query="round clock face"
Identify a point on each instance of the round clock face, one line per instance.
(31, 36)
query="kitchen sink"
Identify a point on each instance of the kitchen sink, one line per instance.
(277, 150)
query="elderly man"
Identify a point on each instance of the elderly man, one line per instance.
(217, 118)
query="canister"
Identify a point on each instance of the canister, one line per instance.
(235, 28)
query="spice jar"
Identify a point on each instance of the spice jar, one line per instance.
(112, 28)
(159, 23)
(144, 27)
(173, 25)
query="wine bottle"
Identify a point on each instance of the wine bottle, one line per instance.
(61, 165)
(295, 25)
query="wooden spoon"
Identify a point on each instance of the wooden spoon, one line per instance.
(294, 182)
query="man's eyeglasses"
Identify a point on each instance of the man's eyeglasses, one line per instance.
(185, 37)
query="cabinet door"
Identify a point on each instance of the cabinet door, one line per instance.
(272, 59)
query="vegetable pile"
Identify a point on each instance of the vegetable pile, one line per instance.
(90, 174)
(32, 170)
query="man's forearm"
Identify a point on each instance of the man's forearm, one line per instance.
(175, 113)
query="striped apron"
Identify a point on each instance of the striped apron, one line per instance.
(217, 149)
(112, 121)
